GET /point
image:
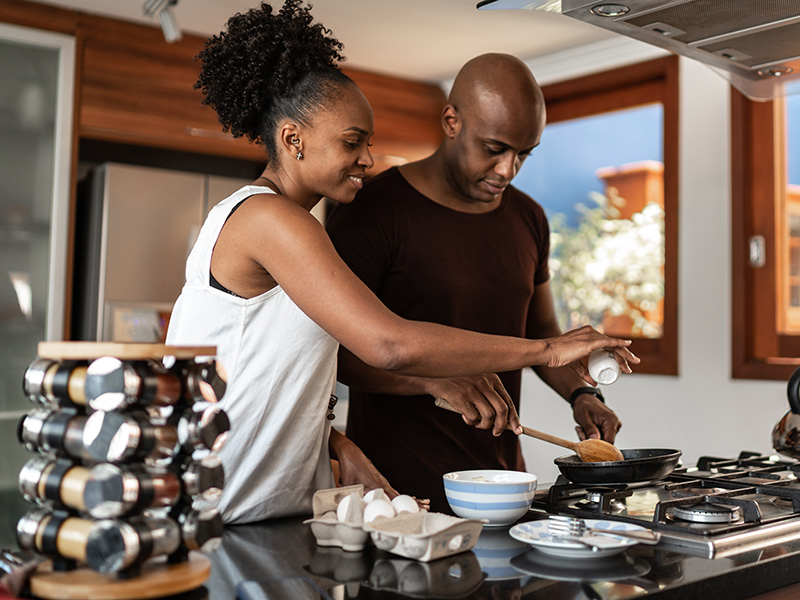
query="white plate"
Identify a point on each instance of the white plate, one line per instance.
(535, 533)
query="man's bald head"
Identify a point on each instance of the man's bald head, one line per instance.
(494, 118)
(501, 84)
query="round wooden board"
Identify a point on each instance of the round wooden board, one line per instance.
(123, 351)
(157, 579)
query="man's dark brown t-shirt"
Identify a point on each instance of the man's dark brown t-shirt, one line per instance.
(430, 263)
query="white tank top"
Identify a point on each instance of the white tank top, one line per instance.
(281, 371)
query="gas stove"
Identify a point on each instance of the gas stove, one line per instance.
(720, 507)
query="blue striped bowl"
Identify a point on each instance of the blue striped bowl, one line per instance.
(500, 497)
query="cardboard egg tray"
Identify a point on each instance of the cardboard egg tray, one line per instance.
(425, 536)
(328, 530)
(421, 536)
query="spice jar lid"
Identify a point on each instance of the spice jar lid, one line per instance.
(111, 384)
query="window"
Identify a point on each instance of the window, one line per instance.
(610, 148)
(766, 235)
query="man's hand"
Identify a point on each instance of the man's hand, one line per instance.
(482, 401)
(595, 420)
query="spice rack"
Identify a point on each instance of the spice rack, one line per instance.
(125, 472)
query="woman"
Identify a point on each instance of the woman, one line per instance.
(264, 284)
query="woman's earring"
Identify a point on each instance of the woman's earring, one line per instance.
(299, 155)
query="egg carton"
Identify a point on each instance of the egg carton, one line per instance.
(425, 536)
(327, 529)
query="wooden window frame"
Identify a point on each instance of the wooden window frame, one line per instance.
(759, 350)
(628, 87)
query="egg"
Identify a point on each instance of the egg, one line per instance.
(374, 495)
(404, 503)
(378, 508)
(350, 509)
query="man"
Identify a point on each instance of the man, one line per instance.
(447, 239)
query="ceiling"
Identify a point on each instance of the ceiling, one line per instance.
(425, 40)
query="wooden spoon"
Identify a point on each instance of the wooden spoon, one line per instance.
(587, 450)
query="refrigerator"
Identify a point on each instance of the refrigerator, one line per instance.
(135, 227)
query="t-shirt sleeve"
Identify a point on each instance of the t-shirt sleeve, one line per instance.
(360, 239)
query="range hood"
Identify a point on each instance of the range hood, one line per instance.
(753, 44)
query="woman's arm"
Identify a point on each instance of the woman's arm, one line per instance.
(292, 247)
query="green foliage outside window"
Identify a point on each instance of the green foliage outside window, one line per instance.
(608, 266)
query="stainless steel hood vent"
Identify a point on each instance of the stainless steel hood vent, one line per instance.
(754, 44)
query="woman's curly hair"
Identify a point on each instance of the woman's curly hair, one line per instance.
(267, 67)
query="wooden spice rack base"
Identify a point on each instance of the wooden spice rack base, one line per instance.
(156, 580)
(122, 351)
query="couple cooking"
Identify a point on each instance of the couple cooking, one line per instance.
(430, 282)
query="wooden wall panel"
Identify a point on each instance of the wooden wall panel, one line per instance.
(38, 16)
(137, 88)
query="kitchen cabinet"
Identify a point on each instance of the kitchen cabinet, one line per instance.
(37, 70)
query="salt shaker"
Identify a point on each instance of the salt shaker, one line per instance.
(603, 367)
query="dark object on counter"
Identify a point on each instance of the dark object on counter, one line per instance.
(786, 434)
(641, 464)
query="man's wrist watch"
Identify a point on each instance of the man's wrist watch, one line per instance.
(585, 390)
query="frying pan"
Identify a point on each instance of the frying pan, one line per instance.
(640, 464)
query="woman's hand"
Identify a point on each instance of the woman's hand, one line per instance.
(572, 348)
(355, 468)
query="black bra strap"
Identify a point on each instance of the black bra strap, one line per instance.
(212, 281)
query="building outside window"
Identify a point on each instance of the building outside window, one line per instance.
(600, 179)
(606, 174)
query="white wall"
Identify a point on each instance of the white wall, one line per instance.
(702, 411)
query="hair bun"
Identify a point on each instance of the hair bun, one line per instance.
(262, 57)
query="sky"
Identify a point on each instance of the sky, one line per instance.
(560, 172)
(793, 124)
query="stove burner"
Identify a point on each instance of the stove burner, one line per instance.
(706, 512)
(683, 492)
(595, 495)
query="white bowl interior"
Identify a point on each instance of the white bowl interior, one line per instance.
(491, 476)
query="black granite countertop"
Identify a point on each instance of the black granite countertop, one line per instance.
(279, 560)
